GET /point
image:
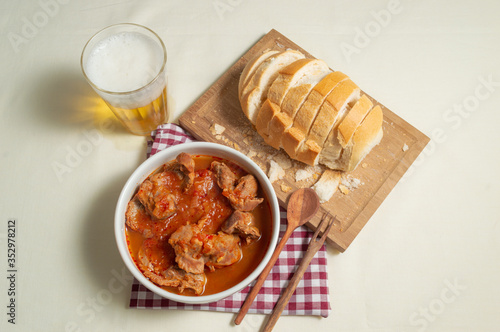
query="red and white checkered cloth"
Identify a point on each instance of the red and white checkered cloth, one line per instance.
(311, 296)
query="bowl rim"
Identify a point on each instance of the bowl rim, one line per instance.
(164, 156)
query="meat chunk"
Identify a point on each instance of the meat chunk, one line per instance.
(159, 201)
(181, 279)
(185, 165)
(188, 247)
(195, 249)
(186, 162)
(242, 223)
(243, 197)
(226, 179)
(137, 218)
(221, 250)
(163, 274)
(241, 192)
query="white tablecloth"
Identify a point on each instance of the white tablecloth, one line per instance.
(426, 261)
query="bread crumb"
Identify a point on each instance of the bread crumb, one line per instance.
(405, 147)
(251, 154)
(327, 185)
(217, 129)
(364, 165)
(285, 188)
(348, 184)
(219, 137)
(283, 160)
(275, 172)
(343, 189)
(302, 174)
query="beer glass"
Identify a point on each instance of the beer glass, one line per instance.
(125, 64)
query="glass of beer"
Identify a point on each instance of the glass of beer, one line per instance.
(125, 64)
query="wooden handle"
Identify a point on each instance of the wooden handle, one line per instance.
(260, 280)
(290, 289)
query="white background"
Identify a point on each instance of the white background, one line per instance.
(428, 260)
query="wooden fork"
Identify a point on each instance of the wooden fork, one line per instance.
(314, 245)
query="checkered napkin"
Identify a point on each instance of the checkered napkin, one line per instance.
(311, 295)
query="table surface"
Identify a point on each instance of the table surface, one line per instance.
(426, 261)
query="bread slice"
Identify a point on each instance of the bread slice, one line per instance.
(291, 74)
(327, 185)
(255, 91)
(367, 135)
(353, 119)
(279, 124)
(251, 66)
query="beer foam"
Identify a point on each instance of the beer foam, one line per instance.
(124, 62)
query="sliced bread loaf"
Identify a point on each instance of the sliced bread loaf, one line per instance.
(317, 116)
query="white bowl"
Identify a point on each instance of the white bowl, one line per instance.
(162, 157)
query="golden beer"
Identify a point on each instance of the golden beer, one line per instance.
(143, 120)
(125, 64)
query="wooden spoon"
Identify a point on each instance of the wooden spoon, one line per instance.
(302, 206)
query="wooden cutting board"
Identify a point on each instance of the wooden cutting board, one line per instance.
(377, 174)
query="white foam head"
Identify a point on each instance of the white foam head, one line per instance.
(125, 62)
